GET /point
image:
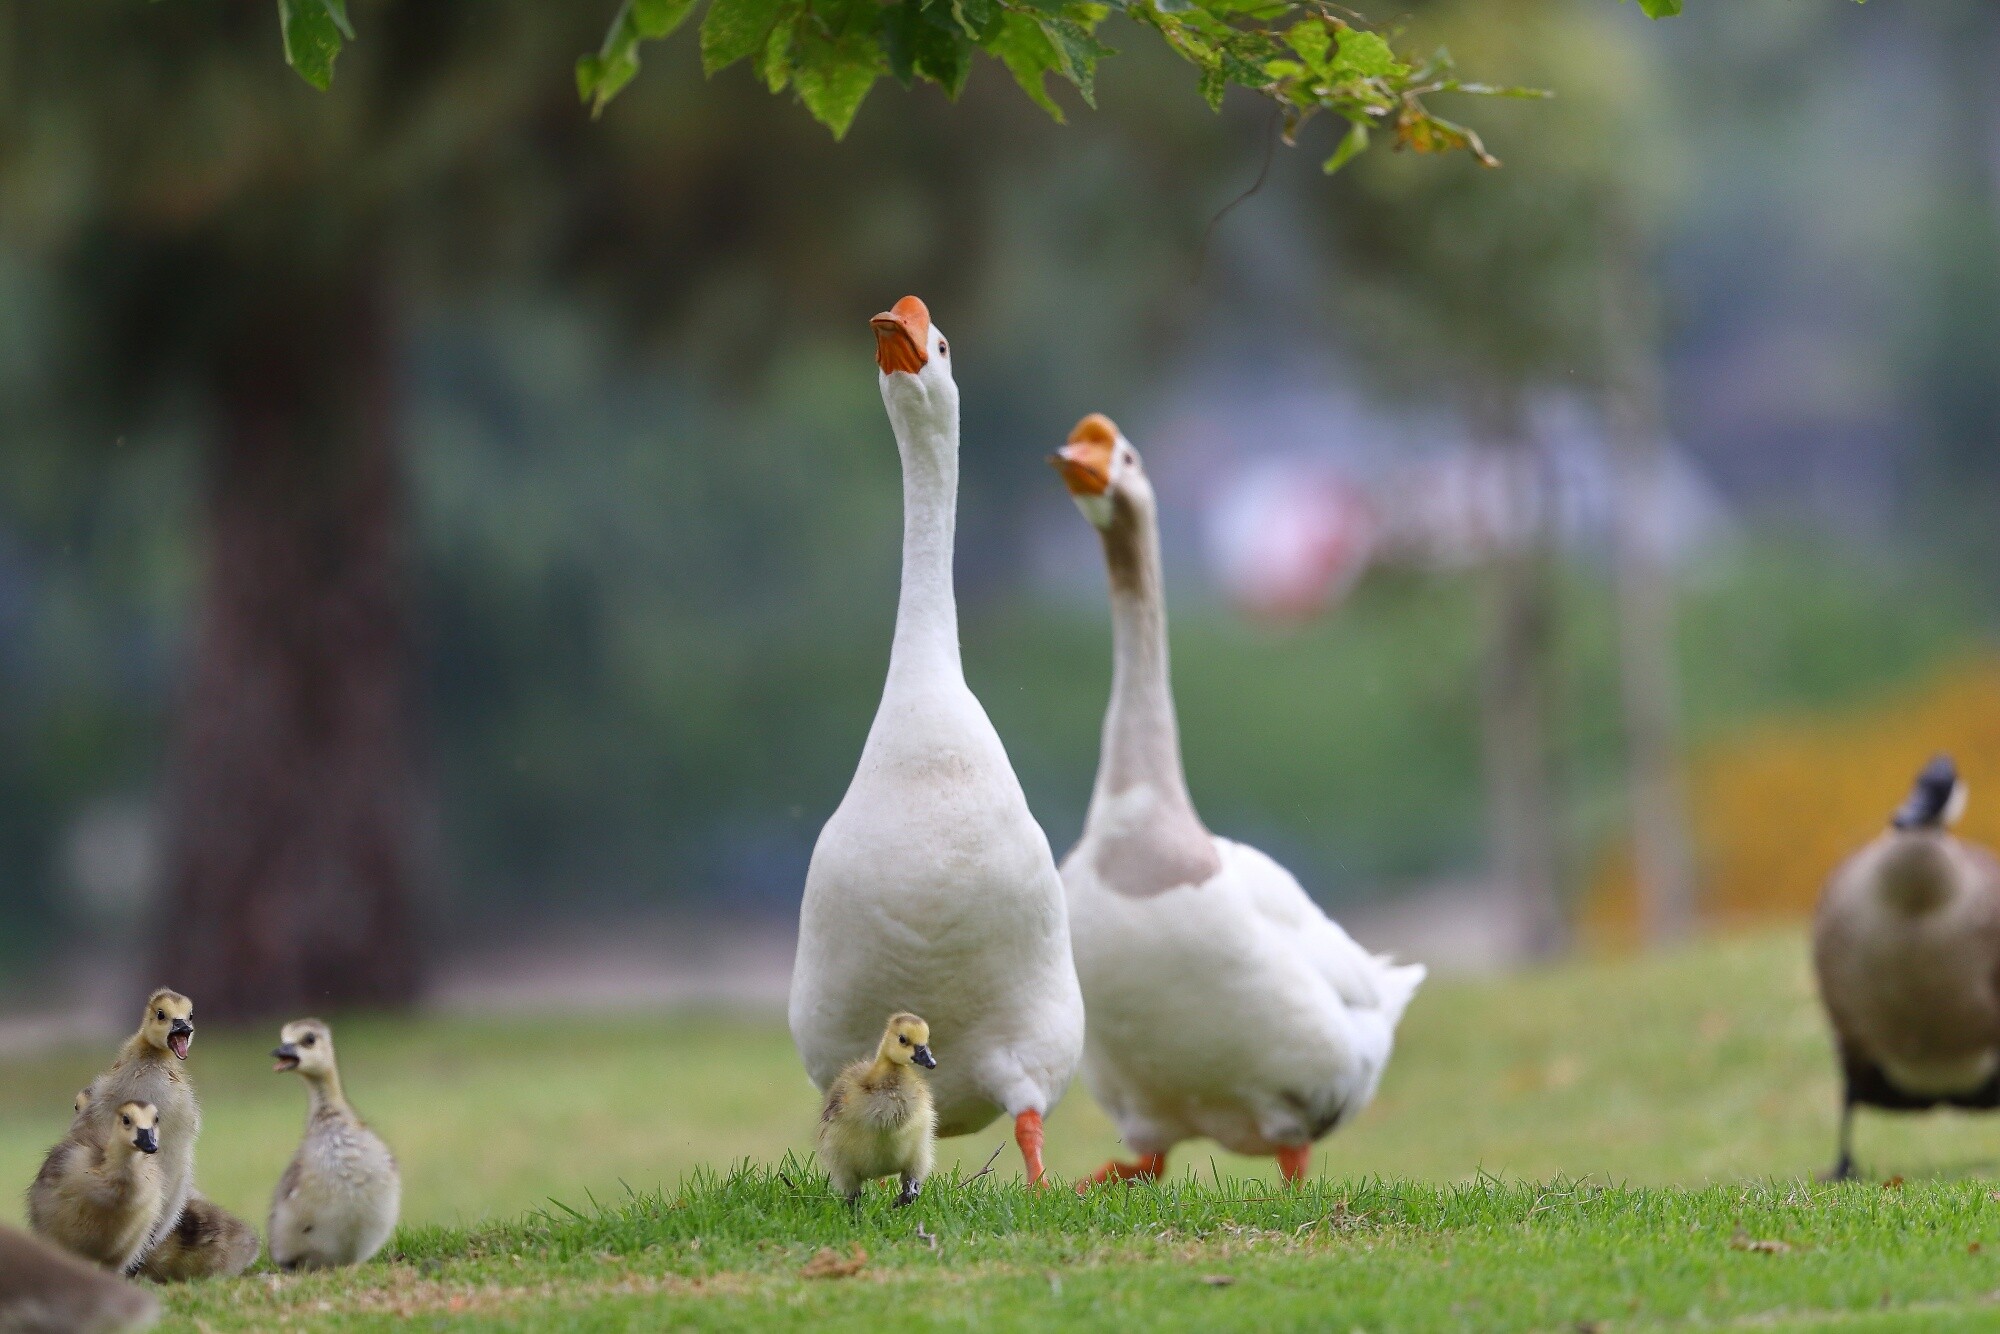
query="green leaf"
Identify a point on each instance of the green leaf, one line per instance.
(978, 19)
(1354, 142)
(1026, 51)
(312, 32)
(1310, 38)
(832, 88)
(1365, 55)
(774, 62)
(599, 77)
(1077, 54)
(1660, 9)
(733, 29)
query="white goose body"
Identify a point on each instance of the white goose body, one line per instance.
(1223, 1002)
(932, 888)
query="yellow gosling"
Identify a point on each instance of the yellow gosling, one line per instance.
(879, 1120)
(337, 1202)
(207, 1242)
(149, 1069)
(100, 1199)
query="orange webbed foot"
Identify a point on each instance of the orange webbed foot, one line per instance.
(1293, 1163)
(1149, 1167)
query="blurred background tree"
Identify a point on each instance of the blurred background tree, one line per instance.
(586, 514)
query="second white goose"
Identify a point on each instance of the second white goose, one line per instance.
(1223, 1003)
(931, 888)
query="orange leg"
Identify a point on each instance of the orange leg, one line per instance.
(1149, 1167)
(1028, 1134)
(1294, 1162)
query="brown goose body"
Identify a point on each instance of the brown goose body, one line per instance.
(44, 1291)
(1906, 948)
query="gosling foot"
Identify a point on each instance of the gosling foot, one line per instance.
(1293, 1163)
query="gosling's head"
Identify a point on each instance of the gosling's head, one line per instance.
(139, 1126)
(1936, 800)
(305, 1045)
(1100, 468)
(907, 1040)
(169, 1022)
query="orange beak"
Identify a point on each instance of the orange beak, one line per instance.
(1085, 462)
(903, 336)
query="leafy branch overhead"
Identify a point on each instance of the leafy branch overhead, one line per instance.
(1308, 56)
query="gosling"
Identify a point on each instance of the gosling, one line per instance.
(44, 1290)
(879, 1120)
(337, 1202)
(148, 1069)
(100, 1200)
(1906, 946)
(207, 1242)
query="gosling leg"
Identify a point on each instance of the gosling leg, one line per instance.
(911, 1189)
(1293, 1163)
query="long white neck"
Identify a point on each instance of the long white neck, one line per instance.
(926, 643)
(1142, 740)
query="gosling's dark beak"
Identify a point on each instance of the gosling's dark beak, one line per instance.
(148, 1140)
(179, 1035)
(288, 1057)
(922, 1056)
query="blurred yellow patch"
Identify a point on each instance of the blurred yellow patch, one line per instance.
(1777, 807)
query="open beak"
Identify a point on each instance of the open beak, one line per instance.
(922, 1056)
(179, 1037)
(1081, 470)
(288, 1057)
(148, 1140)
(902, 336)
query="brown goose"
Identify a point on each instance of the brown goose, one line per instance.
(1907, 949)
(45, 1291)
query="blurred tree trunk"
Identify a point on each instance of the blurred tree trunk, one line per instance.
(1650, 693)
(1520, 620)
(293, 851)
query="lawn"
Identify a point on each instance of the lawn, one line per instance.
(1611, 1144)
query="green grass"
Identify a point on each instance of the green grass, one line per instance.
(1592, 1144)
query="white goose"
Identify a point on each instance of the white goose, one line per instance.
(1223, 1002)
(931, 888)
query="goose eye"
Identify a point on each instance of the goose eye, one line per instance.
(903, 1038)
(944, 348)
(309, 1039)
(159, 1014)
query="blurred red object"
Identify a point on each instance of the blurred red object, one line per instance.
(1289, 539)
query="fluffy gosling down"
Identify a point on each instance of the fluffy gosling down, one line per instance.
(47, 1291)
(207, 1242)
(879, 1120)
(337, 1202)
(149, 1069)
(99, 1198)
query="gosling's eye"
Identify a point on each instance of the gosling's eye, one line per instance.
(125, 1120)
(159, 1014)
(309, 1039)
(903, 1038)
